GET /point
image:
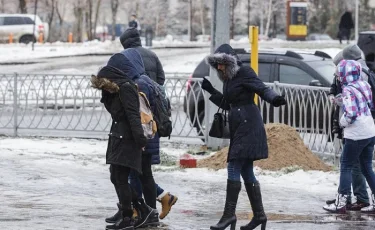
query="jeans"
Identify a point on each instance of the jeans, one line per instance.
(244, 168)
(354, 150)
(136, 184)
(359, 184)
(147, 182)
(119, 175)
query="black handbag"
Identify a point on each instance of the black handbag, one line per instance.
(220, 124)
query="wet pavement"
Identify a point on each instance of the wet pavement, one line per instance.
(68, 187)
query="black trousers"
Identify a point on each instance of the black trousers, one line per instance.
(119, 178)
(148, 182)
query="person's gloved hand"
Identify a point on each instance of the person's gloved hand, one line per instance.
(207, 86)
(331, 98)
(278, 101)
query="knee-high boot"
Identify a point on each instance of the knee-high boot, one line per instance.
(255, 197)
(229, 215)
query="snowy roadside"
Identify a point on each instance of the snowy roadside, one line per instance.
(19, 53)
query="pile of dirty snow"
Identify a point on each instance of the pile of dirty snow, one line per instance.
(286, 149)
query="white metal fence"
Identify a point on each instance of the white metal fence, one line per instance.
(66, 105)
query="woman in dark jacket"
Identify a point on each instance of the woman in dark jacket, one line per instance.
(126, 138)
(248, 141)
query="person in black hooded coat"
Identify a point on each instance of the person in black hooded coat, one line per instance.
(248, 141)
(345, 26)
(131, 39)
(126, 138)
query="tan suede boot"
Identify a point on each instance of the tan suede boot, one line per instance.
(167, 201)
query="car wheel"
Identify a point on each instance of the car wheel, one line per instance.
(27, 39)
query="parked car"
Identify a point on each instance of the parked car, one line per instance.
(366, 41)
(290, 67)
(318, 37)
(22, 27)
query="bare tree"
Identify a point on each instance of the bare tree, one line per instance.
(78, 13)
(61, 8)
(98, 4)
(23, 7)
(88, 19)
(114, 8)
(2, 5)
(233, 4)
(202, 8)
(50, 8)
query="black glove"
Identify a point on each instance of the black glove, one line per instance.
(206, 85)
(278, 101)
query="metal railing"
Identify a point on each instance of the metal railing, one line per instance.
(66, 105)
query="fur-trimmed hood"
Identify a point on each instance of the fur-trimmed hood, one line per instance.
(110, 79)
(104, 83)
(225, 55)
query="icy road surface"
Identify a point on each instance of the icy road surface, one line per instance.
(64, 184)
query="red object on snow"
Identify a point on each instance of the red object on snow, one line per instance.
(187, 161)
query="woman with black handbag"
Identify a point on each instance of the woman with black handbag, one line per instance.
(248, 141)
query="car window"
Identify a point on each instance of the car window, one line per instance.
(265, 71)
(1, 21)
(293, 75)
(28, 21)
(9, 21)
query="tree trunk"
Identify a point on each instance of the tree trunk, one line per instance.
(232, 19)
(23, 7)
(50, 19)
(97, 16)
(78, 11)
(2, 6)
(61, 19)
(89, 19)
(114, 8)
(202, 18)
(157, 19)
(269, 14)
(190, 15)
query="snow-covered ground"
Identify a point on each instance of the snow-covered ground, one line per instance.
(64, 184)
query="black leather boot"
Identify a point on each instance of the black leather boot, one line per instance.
(125, 222)
(147, 216)
(113, 219)
(229, 215)
(255, 197)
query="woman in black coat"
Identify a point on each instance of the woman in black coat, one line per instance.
(126, 138)
(248, 141)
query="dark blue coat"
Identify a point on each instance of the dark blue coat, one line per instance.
(130, 62)
(248, 140)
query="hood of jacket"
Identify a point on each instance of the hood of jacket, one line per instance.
(130, 38)
(349, 72)
(129, 62)
(109, 79)
(225, 55)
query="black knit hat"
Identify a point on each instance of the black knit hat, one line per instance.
(130, 38)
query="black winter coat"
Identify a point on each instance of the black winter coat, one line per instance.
(131, 39)
(346, 21)
(248, 140)
(126, 138)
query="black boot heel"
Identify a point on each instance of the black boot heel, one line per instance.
(233, 225)
(263, 227)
